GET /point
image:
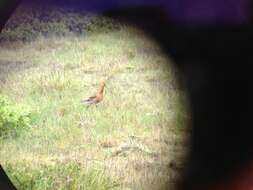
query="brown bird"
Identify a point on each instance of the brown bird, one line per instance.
(98, 97)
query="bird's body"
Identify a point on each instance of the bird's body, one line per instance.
(98, 97)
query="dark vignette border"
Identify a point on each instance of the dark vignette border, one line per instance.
(215, 64)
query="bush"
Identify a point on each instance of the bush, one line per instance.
(13, 117)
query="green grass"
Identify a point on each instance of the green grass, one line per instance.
(64, 176)
(70, 146)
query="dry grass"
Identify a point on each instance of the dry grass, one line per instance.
(132, 136)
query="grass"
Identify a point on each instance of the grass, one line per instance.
(70, 146)
(59, 176)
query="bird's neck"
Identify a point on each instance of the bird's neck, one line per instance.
(101, 90)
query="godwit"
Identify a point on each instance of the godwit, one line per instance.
(98, 97)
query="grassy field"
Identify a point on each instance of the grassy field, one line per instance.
(128, 141)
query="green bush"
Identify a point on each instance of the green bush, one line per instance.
(13, 117)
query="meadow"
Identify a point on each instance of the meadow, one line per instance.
(134, 139)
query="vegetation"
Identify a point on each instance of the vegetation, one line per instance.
(13, 117)
(58, 176)
(126, 142)
(27, 24)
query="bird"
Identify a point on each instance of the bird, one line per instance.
(96, 98)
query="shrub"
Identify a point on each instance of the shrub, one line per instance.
(13, 117)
